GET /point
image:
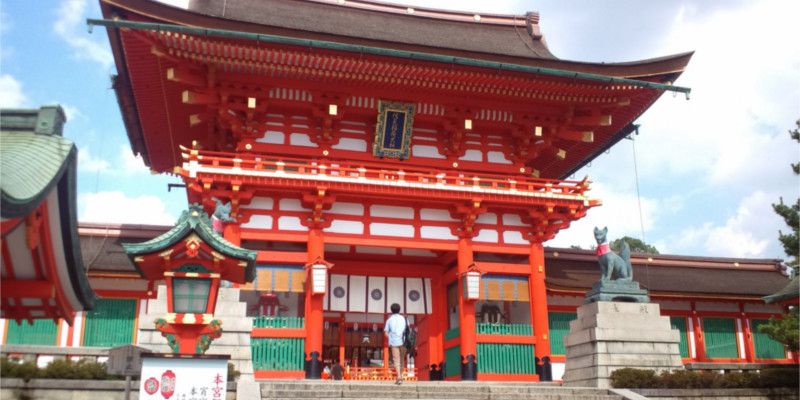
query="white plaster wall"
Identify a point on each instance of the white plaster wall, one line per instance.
(486, 236)
(344, 226)
(436, 232)
(514, 237)
(347, 208)
(259, 222)
(301, 139)
(260, 203)
(383, 229)
(434, 214)
(378, 210)
(351, 144)
(290, 224)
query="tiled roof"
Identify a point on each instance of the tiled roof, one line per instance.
(33, 157)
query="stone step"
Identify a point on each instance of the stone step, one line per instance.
(298, 390)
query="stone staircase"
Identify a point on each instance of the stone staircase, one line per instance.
(302, 390)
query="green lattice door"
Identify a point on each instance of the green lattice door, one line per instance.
(111, 323)
(559, 328)
(42, 332)
(720, 337)
(765, 346)
(679, 323)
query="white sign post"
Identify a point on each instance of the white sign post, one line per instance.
(174, 377)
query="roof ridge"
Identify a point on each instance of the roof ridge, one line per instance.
(435, 13)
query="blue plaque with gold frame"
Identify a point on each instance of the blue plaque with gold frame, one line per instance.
(393, 131)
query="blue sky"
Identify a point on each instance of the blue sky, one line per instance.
(709, 168)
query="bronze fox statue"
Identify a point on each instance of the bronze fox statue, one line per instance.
(613, 266)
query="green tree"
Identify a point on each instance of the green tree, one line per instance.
(636, 245)
(791, 214)
(784, 330)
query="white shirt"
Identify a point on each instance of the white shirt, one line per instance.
(395, 326)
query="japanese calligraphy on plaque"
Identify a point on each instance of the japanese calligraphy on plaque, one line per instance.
(393, 131)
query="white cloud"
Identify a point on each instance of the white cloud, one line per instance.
(69, 25)
(176, 3)
(132, 164)
(86, 162)
(745, 95)
(620, 213)
(11, 95)
(72, 113)
(748, 233)
(117, 207)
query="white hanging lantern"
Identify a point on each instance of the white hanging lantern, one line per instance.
(472, 283)
(318, 273)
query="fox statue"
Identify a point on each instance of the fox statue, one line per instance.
(613, 266)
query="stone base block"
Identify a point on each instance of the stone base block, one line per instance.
(608, 336)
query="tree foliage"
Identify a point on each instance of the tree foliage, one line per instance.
(791, 214)
(785, 329)
(637, 246)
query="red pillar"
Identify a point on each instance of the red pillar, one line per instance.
(469, 370)
(538, 302)
(747, 335)
(313, 310)
(438, 320)
(699, 340)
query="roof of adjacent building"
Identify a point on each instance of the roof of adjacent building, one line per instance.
(33, 158)
(572, 271)
(788, 293)
(38, 165)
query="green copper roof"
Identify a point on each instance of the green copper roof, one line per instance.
(790, 291)
(33, 157)
(35, 160)
(194, 220)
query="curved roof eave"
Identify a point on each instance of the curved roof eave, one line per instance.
(159, 12)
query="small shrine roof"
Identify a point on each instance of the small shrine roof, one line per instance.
(194, 220)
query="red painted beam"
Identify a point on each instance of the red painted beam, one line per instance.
(505, 339)
(27, 288)
(278, 333)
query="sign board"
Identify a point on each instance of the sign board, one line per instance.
(125, 360)
(183, 378)
(393, 130)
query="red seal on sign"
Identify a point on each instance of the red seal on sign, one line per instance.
(151, 385)
(168, 384)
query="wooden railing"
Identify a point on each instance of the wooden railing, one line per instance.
(381, 172)
(278, 322)
(504, 329)
(277, 354)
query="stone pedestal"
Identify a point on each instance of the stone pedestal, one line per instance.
(608, 336)
(236, 329)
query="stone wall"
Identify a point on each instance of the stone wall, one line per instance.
(719, 394)
(61, 389)
(236, 329)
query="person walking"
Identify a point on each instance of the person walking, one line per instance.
(394, 328)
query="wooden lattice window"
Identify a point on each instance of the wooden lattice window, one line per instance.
(679, 323)
(559, 328)
(190, 295)
(720, 337)
(110, 323)
(765, 346)
(41, 332)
